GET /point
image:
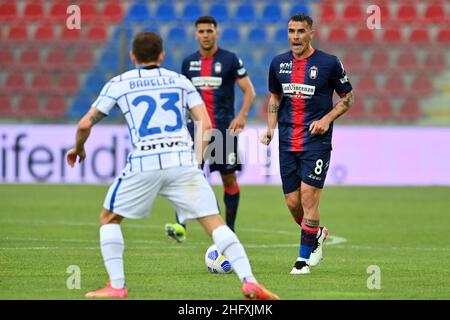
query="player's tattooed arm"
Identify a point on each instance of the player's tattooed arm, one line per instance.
(96, 117)
(274, 107)
(347, 100)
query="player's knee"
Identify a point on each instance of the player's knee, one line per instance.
(229, 181)
(107, 217)
(310, 200)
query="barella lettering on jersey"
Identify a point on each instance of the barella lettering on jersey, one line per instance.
(155, 82)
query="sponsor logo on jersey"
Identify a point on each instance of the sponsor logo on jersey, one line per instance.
(298, 89)
(195, 65)
(207, 82)
(217, 67)
(286, 67)
(313, 72)
(344, 79)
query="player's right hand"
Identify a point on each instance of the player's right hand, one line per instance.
(72, 155)
(266, 138)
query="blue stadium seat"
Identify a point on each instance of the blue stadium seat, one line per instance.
(191, 12)
(138, 13)
(80, 105)
(94, 82)
(110, 59)
(165, 13)
(257, 35)
(281, 35)
(245, 13)
(299, 8)
(230, 35)
(151, 27)
(220, 12)
(177, 35)
(272, 14)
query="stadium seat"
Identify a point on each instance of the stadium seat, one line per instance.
(70, 35)
(434, 13)
(245, 13)
(230, 35)
(28, 106)
(353, 14)
(281, 35)
(56, 58)
(30, 58)
(112, 12)
(299, 8)
(55, 107)
(353, 62)
(338, 36)
(381, 110)
(421, 86)
(83, 59)
(44, 33)
(406, 13)
(364, 36)
(138, 13)
(89, 12)
(58, 11)
(95, 81)
(434, 61)
(110, 59)
(8, 11)
(409, 110)
(327, 13)
(80, 105)
(6, 57)
(15, 82)
(356, 113)
(419, 37)
(41, 83)
(220, 12)
(366, 85)
(18, 33)
(191, 12)
(6, 109)
(68, 83)
(257, 36)
(394, 85)
(97, 34)
(271, 13)
(34, 11)
(407, 61)
(443, 37)
(392, 36)
(165, 12)
(177, 35)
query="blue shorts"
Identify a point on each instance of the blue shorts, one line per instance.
(308, 166)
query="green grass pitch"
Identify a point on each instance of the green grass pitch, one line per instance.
(404, 231)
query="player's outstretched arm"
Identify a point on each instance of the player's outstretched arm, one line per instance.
(84, 127)
(202, 132)
(248, 89)
(272, 118)
(342, 106)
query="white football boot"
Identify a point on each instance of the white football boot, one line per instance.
(300, 267)
(317, 253)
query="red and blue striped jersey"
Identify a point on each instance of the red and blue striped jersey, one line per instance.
(214, 78)
(307, 88)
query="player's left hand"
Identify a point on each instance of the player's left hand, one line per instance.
(72, 155)
(237, 125)
(319, 127)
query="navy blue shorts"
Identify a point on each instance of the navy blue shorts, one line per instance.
(308, 166)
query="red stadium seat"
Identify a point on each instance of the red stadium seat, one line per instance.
(28, 106)
(407, 13)
(353, 13)
(30, 58)
(367, 85)
(113, 12)
(56, 58)
(34, 11)
(41, 83)
(18, 33)
(419, 37)
(58, 11)
(356, 112)
(392, 36)
(6, 109)
(70, 35)
(55, 107)
(364, 36)
(409, 110)
(407, 61)
(15, 82)
(89, 12)
(434, 61)
(421, 86)
(381, 110)
(338, 35)
(394, 85)
(83, 59)
(44, 33)
(327, 13)
(68, 83)
(97, 33)
(353, 62)
(443, 37)
(379, 61)
(8, 11)
(434, 13)
(6, 57)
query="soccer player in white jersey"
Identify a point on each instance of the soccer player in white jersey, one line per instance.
(153, 100)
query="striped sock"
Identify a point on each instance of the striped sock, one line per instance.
(308, 238)
(112, 246)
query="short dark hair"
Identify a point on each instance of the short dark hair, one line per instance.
(302, 17)
(206, 19)
(147, 46)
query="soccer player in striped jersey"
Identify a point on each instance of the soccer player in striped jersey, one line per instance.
(302, 82)
(153, 101)
(214, 72)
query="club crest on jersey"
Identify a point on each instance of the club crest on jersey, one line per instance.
(313, 72)
(217, 67)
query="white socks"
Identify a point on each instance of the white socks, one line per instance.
(229, 245)
(112, 246)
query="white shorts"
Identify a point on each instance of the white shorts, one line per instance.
(132, 194)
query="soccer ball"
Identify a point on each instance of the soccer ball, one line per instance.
(216, 262)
